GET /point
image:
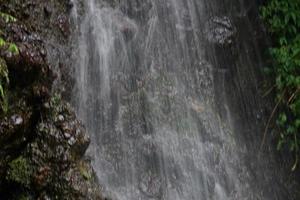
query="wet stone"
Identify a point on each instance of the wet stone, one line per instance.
(151, 184)
(220, 30)
(16, 120)
(38, 126)
(72, 141)
(61, 118)
(67, 135)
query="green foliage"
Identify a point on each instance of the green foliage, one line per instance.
(7, 18)
(55, 100)
(13, 48)
(3, 84)
(55, 104)
(2, 42)
(19, 171)
(283, 21)
(10, 47)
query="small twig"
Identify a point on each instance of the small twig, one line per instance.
(268, 91)
(293, 95)
(296, 152)
(296, 163)
(269, 121)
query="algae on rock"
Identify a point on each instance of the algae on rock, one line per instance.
(42, 143)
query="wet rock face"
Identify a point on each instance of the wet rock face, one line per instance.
(56, 153)
(151, 184)
(49, 20)
(29, 64)
(220, 30)
(42, 143)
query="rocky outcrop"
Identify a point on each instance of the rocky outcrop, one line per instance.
(42, 143)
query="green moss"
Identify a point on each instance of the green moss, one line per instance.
(84, 171)
(55, 100)
(55, 105)
(2, 42)
(24, 197)
(19, 171)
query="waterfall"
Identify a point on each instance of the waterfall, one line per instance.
(168, 92)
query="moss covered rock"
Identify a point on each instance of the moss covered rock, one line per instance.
(42, 143)
(19, 171)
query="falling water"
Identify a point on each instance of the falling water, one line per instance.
(168, 92)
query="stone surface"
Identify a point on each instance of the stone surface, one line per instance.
(220, 30)
(42, 143)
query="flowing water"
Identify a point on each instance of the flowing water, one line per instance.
(168, 91)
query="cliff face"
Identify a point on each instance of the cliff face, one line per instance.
(171, 93)
(42, 142)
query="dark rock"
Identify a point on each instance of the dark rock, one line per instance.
(47, 10)
(41, 92)
(150, 184)
(64, 24)
(40, 130)
(69, 5)
(31, 56)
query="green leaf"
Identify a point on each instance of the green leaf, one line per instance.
(293, 15)
(13, 48)
(2, 91)
(7, 18)
(2, 42)
(297, 123)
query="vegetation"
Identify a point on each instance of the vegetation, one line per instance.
(7, 18)
(37, 164)
(3, 83)
(283, 22)
(19, 171)
(85, 171)
(9, 47)
(24, 197)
